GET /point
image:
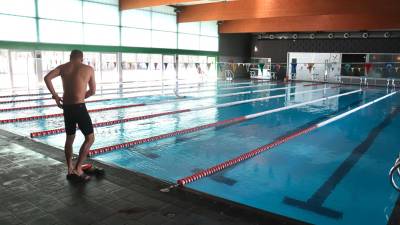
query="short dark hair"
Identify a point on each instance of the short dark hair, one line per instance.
(76, 54)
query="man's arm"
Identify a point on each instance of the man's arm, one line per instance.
(47, 79)
(92, 85)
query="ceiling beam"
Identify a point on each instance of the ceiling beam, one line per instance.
(247, 9)
(134, 4)
(313, 23)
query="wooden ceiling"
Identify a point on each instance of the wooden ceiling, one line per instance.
(258, 16)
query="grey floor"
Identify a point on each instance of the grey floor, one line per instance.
(34, 191)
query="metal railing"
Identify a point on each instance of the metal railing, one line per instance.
(395, 171)
(229, 75)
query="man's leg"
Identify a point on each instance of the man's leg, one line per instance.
(89, 140)
(69, 151)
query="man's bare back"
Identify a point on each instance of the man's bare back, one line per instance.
(75, 78)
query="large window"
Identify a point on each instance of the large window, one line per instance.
(188, 41)
(136, 18)
(69, 10)
(23, 69)
(18, 7)
(100, 13)
(189, 28)
(161, 39)
(53, 31)
(4, 69)
(208, 43)
(99, 22)
(135, 37)
(163, 22)
(109, 35)
(16, 28)
(198, 36)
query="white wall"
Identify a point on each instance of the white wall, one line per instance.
(314, 65)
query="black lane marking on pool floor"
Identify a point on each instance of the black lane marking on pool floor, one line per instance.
(220, 178)
(315, 202)
(394, 218)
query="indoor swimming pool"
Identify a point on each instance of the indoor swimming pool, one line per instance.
(320, 150)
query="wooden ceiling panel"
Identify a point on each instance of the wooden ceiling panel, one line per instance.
(248, 9)
(134, 4)
(347, 22)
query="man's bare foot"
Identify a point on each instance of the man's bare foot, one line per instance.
(70, 170)
(75, 176)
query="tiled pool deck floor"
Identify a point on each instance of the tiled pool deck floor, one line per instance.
(34, 191)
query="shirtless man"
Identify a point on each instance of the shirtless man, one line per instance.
(75, 79)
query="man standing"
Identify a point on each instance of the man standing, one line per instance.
(75, 76)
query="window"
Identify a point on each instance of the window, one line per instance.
(164, 9)
(60, 32)
(101, 35)
(208, 43)
(18, 7)
(161, 39)
(4, 69)
(209, 28)
(112, 2)
(163, 22)
(16, 28)
(189, 28)
(136, 18)
(100, 13)
(188, 41)
(70, 10)
(135, 37)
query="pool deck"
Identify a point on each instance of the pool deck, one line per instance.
(34, 191)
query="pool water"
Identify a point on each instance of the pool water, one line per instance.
(336, 174)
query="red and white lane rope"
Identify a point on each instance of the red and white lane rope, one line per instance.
(215, 124)
(108, 123)
(117, 88)
(107, 93)
(119, 98)
(279, 141)
(97, 100)
(24, 119)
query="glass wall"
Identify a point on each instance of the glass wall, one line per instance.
(4, 70)
(26, 68)
(100, 22)
(198, 36)
(23, 69)
(50, 60)
(197, 68)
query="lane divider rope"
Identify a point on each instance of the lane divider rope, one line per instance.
(23, 119)
(123, 98)
(119, 98)
(279, 141)
(112, 122)
(109, 93)
(215, 124)
(129, 87)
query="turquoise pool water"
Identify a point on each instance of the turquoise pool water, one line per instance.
(336, 174)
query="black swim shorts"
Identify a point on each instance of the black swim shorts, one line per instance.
(77, 114)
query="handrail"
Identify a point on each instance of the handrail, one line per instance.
(229, 75)
(392, 174)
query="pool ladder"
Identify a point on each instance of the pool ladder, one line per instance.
(229, 75)
(390, 83)
(395, 170)
(364, 81)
